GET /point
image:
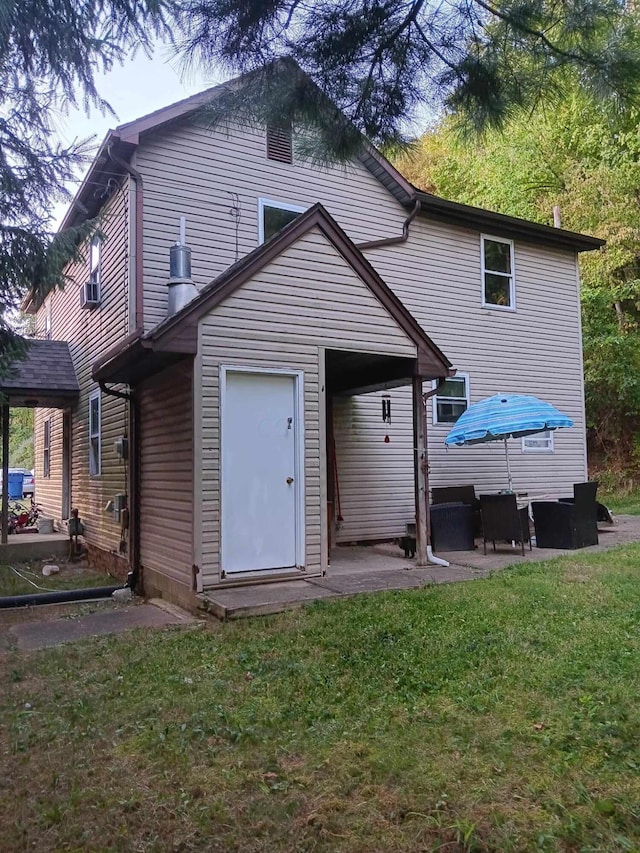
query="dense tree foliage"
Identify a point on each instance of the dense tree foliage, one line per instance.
(50, 54)
(585, 159)
(383, 61)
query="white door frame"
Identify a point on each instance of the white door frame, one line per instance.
(298, 475)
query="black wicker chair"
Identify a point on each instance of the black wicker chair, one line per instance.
(503, 521)
(459, 494)
(451, 527)
(569, 523)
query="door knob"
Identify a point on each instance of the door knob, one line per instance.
(289, 481)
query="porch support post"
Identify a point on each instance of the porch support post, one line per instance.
(420, 471)
(5, 472)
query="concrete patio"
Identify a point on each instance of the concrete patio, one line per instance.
(373, 568)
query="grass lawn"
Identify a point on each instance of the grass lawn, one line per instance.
(622, 503)
(26, 578)
(499, 715)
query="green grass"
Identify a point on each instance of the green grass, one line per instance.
(26, 578)
(622, 502)
(499, 715)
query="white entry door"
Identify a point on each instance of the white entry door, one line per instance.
(260, 488)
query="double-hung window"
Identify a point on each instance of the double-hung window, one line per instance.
(46, 448)
(539, 442)
(451, 400)
(498, 285)
(95, 252)
(274, 215)
(94, 434)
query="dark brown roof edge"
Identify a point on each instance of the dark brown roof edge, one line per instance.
(500, 224)
(429, 354)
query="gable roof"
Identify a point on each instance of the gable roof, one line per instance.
(124, 139)
(179, 333)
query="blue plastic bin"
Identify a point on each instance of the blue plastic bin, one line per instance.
(16, 481)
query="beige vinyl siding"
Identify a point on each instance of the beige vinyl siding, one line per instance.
(307, 300)
(535, 349)
(90, 333)
(191, 171)
(166, 471)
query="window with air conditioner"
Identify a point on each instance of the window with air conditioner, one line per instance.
(90, 293)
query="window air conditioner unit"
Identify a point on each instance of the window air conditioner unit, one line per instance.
(90, 294)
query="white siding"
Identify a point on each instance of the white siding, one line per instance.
(437, 274)
(535, 349)
(307, 300)
(89, 333)
(188, 170)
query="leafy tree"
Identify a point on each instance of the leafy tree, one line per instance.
(384, 61)
(584, 158)
(50, 53)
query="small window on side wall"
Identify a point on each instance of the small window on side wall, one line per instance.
(47, 319)
(498, 289)
(451, 400)
(273, 216)
(94, 435)
(46, 448)
(539, 442)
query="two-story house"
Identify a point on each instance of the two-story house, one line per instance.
(260, 398)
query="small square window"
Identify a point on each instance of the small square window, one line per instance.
(94, 435)
(498, 289)
(273, 216)
(451, 400)
(539, 442)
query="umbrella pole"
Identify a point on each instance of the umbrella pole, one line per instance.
(506, 453)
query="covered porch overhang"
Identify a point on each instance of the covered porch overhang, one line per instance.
(41, 376)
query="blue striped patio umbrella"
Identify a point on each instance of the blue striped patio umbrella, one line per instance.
(505, 416)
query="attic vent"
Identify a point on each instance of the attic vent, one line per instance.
(279, 143)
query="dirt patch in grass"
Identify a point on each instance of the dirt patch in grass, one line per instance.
(27, 578)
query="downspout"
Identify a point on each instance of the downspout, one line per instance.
(431, 558)
(393, 241)
(134, 437)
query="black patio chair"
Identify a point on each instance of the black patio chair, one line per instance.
(459, 494)
(502, 521)
(569, 523)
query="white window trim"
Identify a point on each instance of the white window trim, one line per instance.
(548, 449)
(47, 319)
(95, 395)
(434, 399)
(95, 275)
(512, 278)
(46, 449)
(279, 205)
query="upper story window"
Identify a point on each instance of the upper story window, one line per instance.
(95, 251)
(540, 442)
(47, 319)
(274, 215)
(279, 143)
(94, 434)
(90, 293)
(498, 287)
(451, 400)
